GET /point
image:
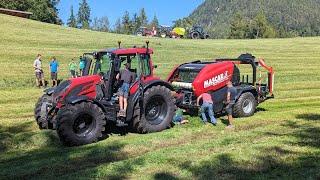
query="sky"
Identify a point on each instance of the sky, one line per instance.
(166, 10)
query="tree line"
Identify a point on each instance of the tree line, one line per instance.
(43, 10)
(124, 25)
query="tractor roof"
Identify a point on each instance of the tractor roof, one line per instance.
(127, 51)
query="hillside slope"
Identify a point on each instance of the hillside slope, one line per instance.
(282, 140)
(301, 17)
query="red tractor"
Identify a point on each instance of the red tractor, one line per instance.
(80, 108)
(192, 79)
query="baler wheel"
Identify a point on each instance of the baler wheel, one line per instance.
(245, 106)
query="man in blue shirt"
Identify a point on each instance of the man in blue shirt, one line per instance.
(54, 67)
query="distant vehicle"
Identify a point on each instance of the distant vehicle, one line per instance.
(197, 32)
(144, 31)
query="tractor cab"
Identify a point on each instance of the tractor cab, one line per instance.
(110, 62)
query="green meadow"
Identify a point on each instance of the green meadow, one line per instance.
(281, 141)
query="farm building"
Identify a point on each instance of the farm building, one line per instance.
(11, 12)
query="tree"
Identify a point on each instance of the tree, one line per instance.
(143, 17)
(238, 27)
(101, 24)
(184, 22)
(136, 22)
(126, 23)
(117, 26)
(154, 22)
(84, 15)
(43, 10)
(261, 28)
(72, 22)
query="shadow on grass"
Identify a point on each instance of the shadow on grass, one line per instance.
(164, 176)
(275, 162)
(48, 158)
(7, 134)
(309, 117)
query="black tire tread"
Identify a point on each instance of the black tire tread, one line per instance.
(237, 108)
(42, 123)
(141, 126)
(69, 111)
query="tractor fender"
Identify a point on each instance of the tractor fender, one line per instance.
(49, 91)
(133, 99)
(247, 89)
(76, 99)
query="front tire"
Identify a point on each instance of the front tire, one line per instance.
(157, 112)
(41, 118)
(80, 124)
(245, 106)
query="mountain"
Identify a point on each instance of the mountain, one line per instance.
(297, 17)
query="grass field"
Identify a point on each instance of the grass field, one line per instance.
(281, 141)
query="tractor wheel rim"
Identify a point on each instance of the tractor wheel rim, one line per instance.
(156, 110)
(83, 125)
(247, 106)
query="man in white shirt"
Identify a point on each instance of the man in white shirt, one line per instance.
(38, 71)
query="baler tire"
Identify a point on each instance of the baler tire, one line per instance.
(41, 121)
(238, 109)
(80, 124)
(142, 123)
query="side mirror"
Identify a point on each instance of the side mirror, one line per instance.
(155, 66)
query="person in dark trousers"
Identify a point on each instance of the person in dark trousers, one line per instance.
(37, 65)
(127, 77)
(231, 96)
(207, 107)
(54, 67)
(73, 68)
(82, 65)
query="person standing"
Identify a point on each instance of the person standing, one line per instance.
(82, 65)
(127, 77)
(73, 68)
(207, 107)
(54, 67)
(37, 65)
(231, 99)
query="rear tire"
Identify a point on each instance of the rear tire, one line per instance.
(158, 111)
(80, 124)
(195, 35)
(40, 119)
(245, 106)
(139, 33)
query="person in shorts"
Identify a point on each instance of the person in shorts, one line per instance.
(54, 67)
(127, 77)
(231, 99)
(37, 65)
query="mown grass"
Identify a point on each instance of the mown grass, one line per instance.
(281, 141)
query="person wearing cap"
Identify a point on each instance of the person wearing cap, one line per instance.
(127, 77)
